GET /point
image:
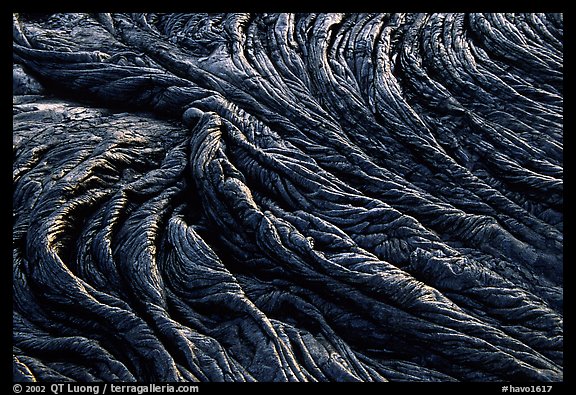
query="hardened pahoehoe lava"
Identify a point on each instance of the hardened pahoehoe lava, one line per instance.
(288, 197)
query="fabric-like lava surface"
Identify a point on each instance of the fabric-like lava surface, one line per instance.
(287, 197)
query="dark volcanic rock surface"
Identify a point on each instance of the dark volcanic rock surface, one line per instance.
(288, 197)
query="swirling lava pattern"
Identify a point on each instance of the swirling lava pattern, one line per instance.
(288, 197)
